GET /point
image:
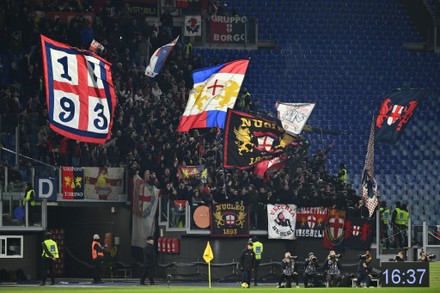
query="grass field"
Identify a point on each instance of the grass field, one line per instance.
(172, 289)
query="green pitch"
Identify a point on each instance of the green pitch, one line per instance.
(181, 289)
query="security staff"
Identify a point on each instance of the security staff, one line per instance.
(245, 100)
(342, 173)
(29, 199)
(399, 219)
(384, 223)
(97, 258)
(50, 255)
(258, 250)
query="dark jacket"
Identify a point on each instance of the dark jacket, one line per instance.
(247, 260)
(149, 255)
(332, 266)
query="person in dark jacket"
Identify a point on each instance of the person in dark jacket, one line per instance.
(290, 271)
(150, 258)
(333, 269)
(364, 269)
(247, 263)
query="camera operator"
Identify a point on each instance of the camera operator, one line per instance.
(424, 256)
(400, 256)
(310, 265)
(290, 271)
(332, 269)
(364, 269)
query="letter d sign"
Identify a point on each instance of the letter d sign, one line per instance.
(46, 189)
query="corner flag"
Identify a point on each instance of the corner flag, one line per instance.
(208, 255)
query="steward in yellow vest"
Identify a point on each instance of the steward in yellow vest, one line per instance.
(50, 254)
(258, 250)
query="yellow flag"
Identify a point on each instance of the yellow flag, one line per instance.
(208, 255)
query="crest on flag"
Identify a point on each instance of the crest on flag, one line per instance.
(358, 233)
(281, 220)
(215, 91)
(79, 92)
(395, 112)
(159, 57)
(250, 139)
(334, 230)
(293, 116)
(193, 25)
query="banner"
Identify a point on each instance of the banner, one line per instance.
(311, 221)
(102, 183)
(229, 220)
(250, 139)
(334, 229)
(358, 233)
(293, 116)
(142, 7)
(281, 219)
(232, 29)
(73, 182)
(145, 202)
(193, 26)
(193, 172)
(79, 92)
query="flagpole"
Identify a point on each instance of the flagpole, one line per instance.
(209, 274)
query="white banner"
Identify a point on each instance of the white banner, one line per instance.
(102, 183)
(145, 202)
(193, 26)
(293, 116)
(281, 220)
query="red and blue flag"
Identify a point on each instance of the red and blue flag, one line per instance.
(79, 92)
(158, 59)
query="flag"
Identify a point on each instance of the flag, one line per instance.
(369, 186)
(96, 47)
(293, 116)
(251, 139)
(158, 59)
(266, 168)
(215, 91)
(230, 220)
(207, 254)
(145, 202)
(281, 220)
(310, 222)
(103, 183)
(193, 172)
(193, 25)
(334, 229)
(79, 92)
(358, 233)
(395, 112)
(73, 182)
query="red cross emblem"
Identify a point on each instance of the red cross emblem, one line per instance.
(311, 220)
(356, 230)
(214, 86)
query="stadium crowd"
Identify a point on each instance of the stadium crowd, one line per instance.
(144, 138)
